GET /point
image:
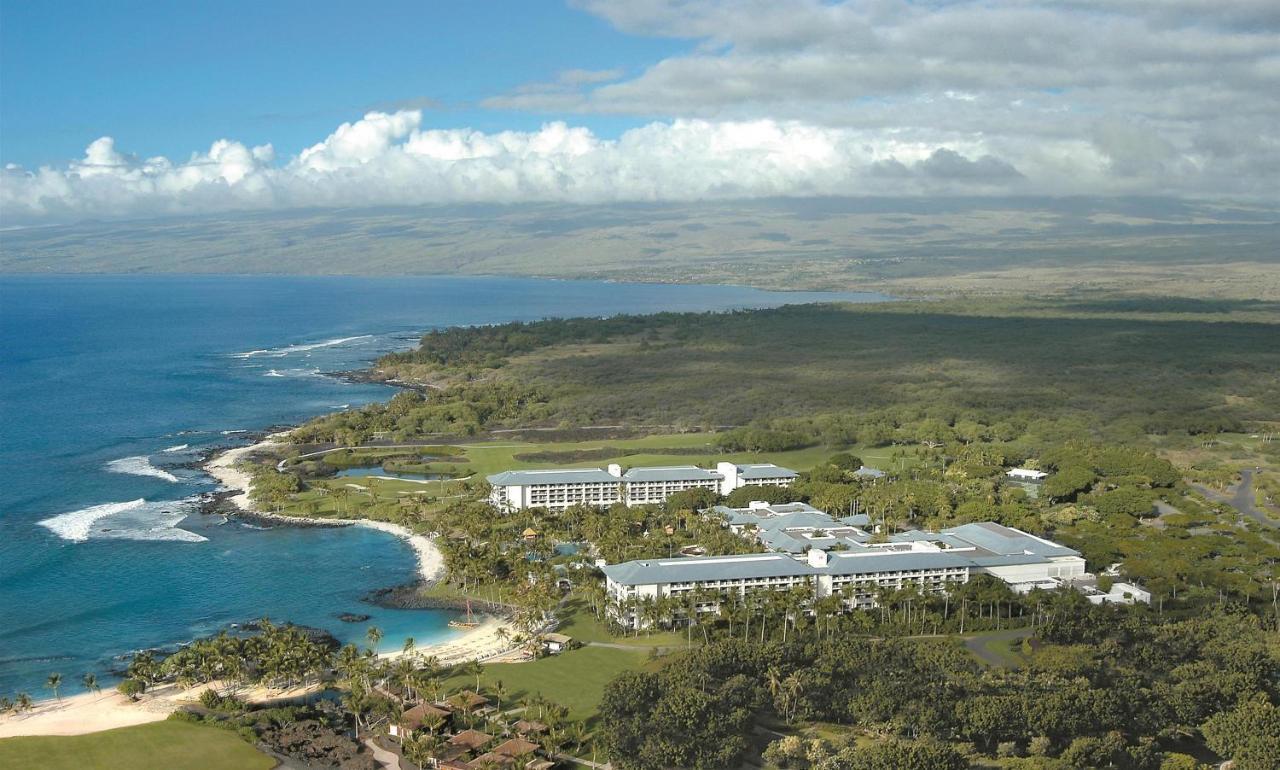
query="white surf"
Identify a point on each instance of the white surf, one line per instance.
(284, 351)
(132, 520)
(139, 466)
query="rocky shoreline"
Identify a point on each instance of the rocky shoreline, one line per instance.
(410, 597)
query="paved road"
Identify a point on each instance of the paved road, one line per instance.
(977, 644)
(1242, 500)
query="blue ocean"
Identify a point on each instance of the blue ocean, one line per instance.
(109, 385)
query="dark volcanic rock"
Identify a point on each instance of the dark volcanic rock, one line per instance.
(313, 742)
(352, 617)
(410, 597)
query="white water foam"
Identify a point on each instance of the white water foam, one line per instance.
(177, 448)
(292, 373)
(282, 352)
(134, 520)
(233, 432)
(139, 466)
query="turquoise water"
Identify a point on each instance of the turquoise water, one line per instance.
(109, 383)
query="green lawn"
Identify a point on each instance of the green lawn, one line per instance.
(156, 746)
(577, 621)
(493, 456)
(574, 679)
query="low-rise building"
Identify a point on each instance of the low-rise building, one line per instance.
(1026, 474)
(734, 476)
(600, 487)
(654, 485)
(853, 567)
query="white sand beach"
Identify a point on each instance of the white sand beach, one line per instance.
(482, 642)
(90, 712)
(223, 468)
(485, 641)
(83, 713)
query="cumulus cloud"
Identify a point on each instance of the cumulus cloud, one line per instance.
(391, 158)
(1155, 87)
(799, 98)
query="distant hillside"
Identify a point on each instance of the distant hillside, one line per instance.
(905, 246)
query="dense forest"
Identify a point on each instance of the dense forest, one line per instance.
(1123, 367)
(1108, 687)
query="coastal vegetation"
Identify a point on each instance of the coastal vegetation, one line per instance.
(1121, 367)
(1141, 414)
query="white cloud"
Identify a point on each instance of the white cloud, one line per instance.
(800, 98)
(392, 159)
(1178, 95)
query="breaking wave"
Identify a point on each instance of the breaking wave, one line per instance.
(139, 466)
(177, 448)
(292, 373)
(282, 352)
(132, 520)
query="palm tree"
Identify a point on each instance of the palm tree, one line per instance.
(374, 635)
(579, 735)
(409, 644)
(90, 681)
(472, 668)
(499, 692)
(53, 683)
(22, 702)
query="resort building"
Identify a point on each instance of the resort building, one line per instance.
(601, 487)
(831, 557)
(1026, 474)
(756, 474)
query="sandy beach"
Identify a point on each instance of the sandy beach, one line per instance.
(90, 712)
(223, 468)
(483, 642)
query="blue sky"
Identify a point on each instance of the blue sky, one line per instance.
(167, 78)
(116, 109)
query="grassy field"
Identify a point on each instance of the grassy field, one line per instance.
(574, 679)
(155, 746)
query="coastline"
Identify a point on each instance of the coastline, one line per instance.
(490, 639)
(93, 712)
(223, 468)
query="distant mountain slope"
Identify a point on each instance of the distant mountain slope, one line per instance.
(905, 245)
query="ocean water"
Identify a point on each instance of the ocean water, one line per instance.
(109, 384)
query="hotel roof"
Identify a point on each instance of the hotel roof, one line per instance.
(984, 544)
(672, 473)
(765, 471)
(555, 476)
(697, 568)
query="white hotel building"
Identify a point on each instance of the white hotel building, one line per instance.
(930, 560)
(561, 488)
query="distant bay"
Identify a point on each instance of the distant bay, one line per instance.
(110, 386)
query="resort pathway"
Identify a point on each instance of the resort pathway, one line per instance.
(980, 645)
(383, 757)
(1242, 499)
